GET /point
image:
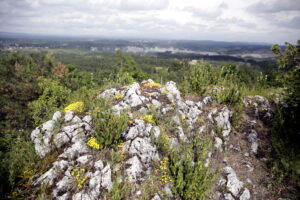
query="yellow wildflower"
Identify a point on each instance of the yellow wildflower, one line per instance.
(152, 84)
(148, 118)
(121, 145)
(163, 170)
(79, 177)
(121, 150)
(119, 96)
(75, 107)
(164, 91)
(93, 143)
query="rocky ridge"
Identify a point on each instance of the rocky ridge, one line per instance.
(80, 173)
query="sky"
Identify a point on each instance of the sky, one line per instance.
(271, 21)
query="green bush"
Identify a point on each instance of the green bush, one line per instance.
(229, 96)
(54, 96)
(200, 77)
(20, 157)
(286, 131)
(191, 179)
(109, 126)
(119, 191)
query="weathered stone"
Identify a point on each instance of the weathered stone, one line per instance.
(76, 120)
(99, 165)
(62, 187)
(135, 169)
(156, 197)
(56, 116)
(144, 149)
(75, 150)
(107, 94)
(49, 176)
(106, 182)
(48, 126)
(223, 121)
(156, 131)
(218, 143)
(95, 184)
(245, 195)
(87, 119)
(60, 139)
(69, 116)
(207, 100)
(233, 184)
(171, 88)
(84, 159)
(252, 139)
(228, 196)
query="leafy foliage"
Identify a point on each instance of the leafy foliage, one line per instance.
(54, 96)
(286, 131)
(109, 126)
(191, 179)
(119, 191)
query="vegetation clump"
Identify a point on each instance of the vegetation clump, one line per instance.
(286, 130)
(109, 127)
(191, 178)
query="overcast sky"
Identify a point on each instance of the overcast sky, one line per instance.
(273, 21)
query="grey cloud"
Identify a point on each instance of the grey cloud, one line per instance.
(274, 6)
(294, 23)
(211, 14)
(223, 5)
(236, 21)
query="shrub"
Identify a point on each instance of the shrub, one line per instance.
(19, 159)
(286, 131)
(191, 179)
(120, 190)
(201, 76)
(54, 96)
(109, 126)
(229, 96)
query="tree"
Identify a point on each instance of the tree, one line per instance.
(286, 133)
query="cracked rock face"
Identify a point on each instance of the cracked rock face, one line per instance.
(223, 121)
(140, 148)
(235, 187)
(72, 134)
(259, 107)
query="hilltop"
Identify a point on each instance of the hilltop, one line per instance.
(170, 147)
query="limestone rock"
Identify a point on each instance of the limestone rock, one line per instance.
(135, 169)
(106, 178)
(233, 184)
(56, 116)
(69, 116)
(245, 195)
(223, 121)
